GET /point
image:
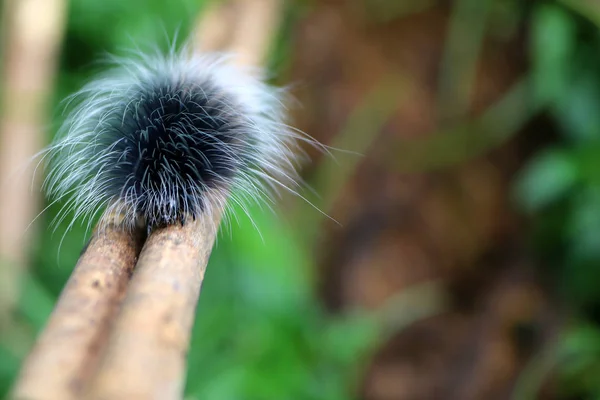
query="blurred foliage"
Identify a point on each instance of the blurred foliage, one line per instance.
(560, 187)
(261, 334)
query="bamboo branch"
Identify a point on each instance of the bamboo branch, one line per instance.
(242, 27)
(33, 32)
(66, 353)
(145, 356)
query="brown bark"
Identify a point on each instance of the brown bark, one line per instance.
(145, 356)
(67, 351)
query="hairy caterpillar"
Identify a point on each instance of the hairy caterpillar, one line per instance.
(162, 137)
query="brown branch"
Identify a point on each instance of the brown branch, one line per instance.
(66, 353)
(145, 356)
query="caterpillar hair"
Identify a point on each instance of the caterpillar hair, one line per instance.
(162, 137)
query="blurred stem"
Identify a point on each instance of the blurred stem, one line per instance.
(458, 68)
(532, 377)
(399, 312)
(385, 10)
(411, 305)
(361, 128)
(470, 139)
(589, 9)
(33, 34)
(245, 28)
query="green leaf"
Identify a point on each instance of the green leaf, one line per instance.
(553, 38)
(546, 179)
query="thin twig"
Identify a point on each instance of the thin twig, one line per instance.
(145, 356)
(66, 353)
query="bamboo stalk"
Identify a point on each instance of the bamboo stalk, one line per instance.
(66, 352)
(33, 32)
(145, 356)
(242, 27)
(257, 22)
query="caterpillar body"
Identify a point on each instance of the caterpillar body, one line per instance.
(163, 137)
